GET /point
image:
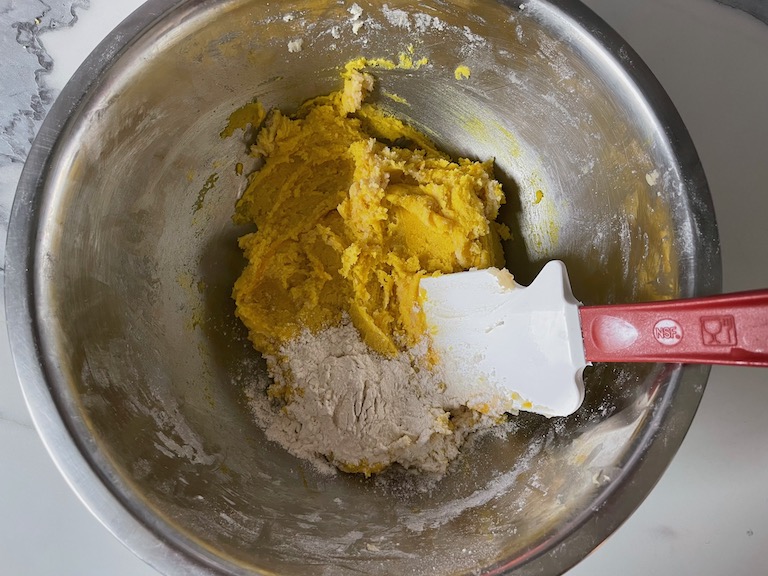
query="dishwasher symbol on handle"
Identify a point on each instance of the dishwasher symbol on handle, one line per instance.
(718, 330)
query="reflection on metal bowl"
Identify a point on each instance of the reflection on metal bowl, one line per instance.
(122, 255)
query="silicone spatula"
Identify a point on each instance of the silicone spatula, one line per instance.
(525, 348)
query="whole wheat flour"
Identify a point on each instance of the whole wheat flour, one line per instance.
(338, 404)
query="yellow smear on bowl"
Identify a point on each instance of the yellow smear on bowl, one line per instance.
(462, 72)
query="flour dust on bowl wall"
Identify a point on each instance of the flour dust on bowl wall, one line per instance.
(123, 254)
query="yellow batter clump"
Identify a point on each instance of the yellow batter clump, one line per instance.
(351, 208)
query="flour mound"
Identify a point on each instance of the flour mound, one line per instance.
(340, 403)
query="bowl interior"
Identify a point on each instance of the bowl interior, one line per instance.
(136, 255)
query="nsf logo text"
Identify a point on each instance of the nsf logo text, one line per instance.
(668, 332)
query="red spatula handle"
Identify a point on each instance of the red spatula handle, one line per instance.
(726, 329)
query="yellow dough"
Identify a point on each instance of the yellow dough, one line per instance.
(351, 208)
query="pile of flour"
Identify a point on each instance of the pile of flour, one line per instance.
(359, 411)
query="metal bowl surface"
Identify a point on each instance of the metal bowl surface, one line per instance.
(121, 257)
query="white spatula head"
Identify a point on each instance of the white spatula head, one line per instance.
(504, 347)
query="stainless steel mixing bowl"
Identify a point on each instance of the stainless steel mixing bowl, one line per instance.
(122, 254)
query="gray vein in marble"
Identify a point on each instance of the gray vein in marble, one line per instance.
(756, 8)
(24, 96)
(14, 422)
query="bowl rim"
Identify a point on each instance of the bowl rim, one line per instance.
(172, 553)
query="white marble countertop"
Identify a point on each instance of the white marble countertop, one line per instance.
(709, 513)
